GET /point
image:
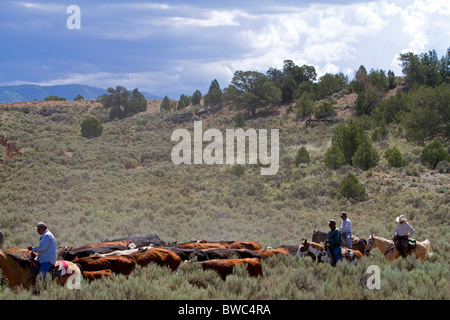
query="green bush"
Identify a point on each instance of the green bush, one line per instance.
(347, 139)
(395, 158)
(91, 128)
(302, 157)
(433, 153)
(325, 110)
(366, 156)
(237, 170)
(54, 98)
(351, 188)
(334, 157)
(166, 104)
(239, 120)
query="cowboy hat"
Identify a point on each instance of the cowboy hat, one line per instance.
(401, 218)
(40, 224)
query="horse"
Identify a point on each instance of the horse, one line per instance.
(2, 241)
(18, 271)
(357, 243)
(386, 246)
(319, 253)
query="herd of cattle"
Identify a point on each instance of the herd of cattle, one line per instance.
(120, 256)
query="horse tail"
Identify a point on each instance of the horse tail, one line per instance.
(427, 244)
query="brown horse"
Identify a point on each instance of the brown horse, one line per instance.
(18, 271)
(357, 243)
(386, 246)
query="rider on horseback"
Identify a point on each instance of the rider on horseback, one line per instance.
(334, 242)
(403, 232)
(46, 249)
(346, 229)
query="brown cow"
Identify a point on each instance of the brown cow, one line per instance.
(224, 267)
(267, 253)
(162, 257)
(121, 264)
(250, 245)
(94, 275)
(202, 245)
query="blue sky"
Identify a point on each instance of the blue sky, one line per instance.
(176, 47)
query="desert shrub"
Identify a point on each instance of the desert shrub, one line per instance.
(304, 105)
(91, 128)
(238, 119)
(54, 98)
(366, 156)
(395, 158)
(166, 104)
(123, 103)
(433, 153)
(302, 157)
(443, 166)
(334, 157)
(237, 170)
(324, 110)
(351, 188)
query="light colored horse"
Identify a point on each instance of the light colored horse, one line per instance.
(18, 272)
(318, 253)
(387, 247)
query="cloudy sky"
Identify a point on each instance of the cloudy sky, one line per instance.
(176, 47)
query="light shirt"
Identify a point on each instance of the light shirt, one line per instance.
(346, 225)
(404, 229)
(47, 248)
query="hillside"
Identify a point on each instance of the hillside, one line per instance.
(29, 92)
(124, 183)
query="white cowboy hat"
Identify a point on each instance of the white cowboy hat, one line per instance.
(401, 218)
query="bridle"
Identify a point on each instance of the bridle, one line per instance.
(372, 242)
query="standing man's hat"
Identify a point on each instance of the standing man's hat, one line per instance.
(41, 224)
(401, 218)
(343, 214)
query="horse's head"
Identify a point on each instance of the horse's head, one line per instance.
(315, 236)
(370, 244)
(303, 248)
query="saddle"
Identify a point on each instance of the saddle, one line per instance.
(411, 245)
(57, 271)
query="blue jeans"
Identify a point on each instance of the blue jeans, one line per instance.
(348, 238)
(44, 268)
(336, 254)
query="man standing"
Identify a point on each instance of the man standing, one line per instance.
(46, 249)
(346, 228)
(334, 241)
(403, 232)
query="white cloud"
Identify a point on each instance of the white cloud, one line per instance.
(211, 18)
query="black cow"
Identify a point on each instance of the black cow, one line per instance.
(188, 254)
(143, 241)
(70, 255)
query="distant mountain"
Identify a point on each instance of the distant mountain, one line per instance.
(30, 92)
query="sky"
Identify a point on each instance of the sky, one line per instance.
(176, 47)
